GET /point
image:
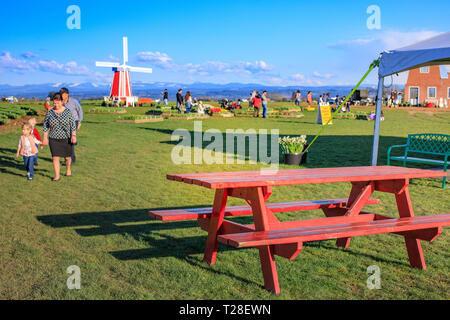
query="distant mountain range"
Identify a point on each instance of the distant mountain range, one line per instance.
(153, 90)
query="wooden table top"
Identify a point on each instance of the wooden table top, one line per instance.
(242, 179)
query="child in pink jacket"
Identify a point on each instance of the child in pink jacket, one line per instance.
(27, 149)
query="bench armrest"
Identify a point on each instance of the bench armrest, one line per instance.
(392, 147)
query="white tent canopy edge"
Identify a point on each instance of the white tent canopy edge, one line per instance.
(433, 51)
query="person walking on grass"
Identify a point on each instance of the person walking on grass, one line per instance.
(74, 106)
(188, 101)
(250, 101)
(179, 100)
(298, 98)
(265, 100)
(256, 105)
(35, 132)
(60, 133)
(344, 105)
(395, 99)
(309, 99)
(337, 102)
(47, 104)
(27, 149)
(166, 97)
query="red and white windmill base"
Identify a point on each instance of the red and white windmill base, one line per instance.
(121, 85)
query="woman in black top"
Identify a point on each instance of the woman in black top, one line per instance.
(60, 133)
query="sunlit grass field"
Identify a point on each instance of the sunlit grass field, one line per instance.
(98, 218)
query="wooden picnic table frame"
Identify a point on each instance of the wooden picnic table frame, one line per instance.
(256, 188)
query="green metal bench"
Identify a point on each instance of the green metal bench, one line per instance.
(427, 144)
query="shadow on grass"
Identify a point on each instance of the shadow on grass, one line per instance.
(88, 224)
(327, 150)
(8, 162)
(93, 122)
(329, 245)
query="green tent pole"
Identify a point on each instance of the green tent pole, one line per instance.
(374, 64)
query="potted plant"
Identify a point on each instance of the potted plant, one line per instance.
(292, 149)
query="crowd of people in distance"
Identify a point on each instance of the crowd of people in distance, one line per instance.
(323, 100)
(186, 102)
(258, 101)
(61, 123)
(394, 99)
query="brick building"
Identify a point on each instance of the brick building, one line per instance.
(427, 85)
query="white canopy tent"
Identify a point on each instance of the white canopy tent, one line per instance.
(433, 51)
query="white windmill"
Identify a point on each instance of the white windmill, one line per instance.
(121, 85)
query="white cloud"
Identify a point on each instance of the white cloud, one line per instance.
(165, 62)
(216, 67)
(302, 80)
(13, 64)
(396, 39)
(385, 40)
(322, 76)
(257, 67)
(356, 54)
(297, 76)
(157, 59)
(71, 68)
(101, 77)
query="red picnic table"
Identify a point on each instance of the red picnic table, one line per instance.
(344, 219)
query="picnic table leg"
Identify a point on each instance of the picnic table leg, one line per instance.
(359, 195)
(262, 222)
(218, 213)
(413, 245)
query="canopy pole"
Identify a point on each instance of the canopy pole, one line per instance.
(376, 130)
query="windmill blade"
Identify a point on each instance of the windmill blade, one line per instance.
(137, 69)
(106, 64)
(125, 50)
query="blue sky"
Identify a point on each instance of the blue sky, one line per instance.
(269, 42)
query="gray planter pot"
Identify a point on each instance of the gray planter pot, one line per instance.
(295, 158)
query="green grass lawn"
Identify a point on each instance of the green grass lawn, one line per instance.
(98, 218)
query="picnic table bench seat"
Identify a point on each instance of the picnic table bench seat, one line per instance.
(201, 213)
(422, 227)
(426, 144)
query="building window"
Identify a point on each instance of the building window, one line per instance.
(425, 70)
(431, 92)
(448, 93)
